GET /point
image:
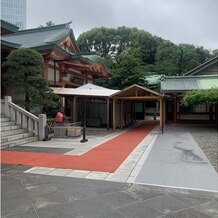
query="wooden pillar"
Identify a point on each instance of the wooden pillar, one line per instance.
(174, 109)
(161, 115)
(74, 109)
(114, 114)
(45, 75)
(121, 114)
(164, 111)
(211, 113)
(108, 113)
(131, 112)
(54, 73)
(85, 112)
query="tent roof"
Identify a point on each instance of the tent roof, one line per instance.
(88, 90)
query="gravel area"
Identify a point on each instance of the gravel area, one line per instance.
(207, 139)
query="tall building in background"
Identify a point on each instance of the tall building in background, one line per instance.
(14, 11)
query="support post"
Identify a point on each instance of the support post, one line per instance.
(42, 124)
(164, 111)
(210, 113)
(108, 113)
(85, 113)
(131, 112)
(84, 135)
(74, 109)
(54, 73)
(114, 114)
(121, 114)
(8, 99)
(161, 115)
(174, 109)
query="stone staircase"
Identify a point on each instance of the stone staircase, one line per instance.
(13, 134)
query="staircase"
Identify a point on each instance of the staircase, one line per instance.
(19, 126)
(13, 134)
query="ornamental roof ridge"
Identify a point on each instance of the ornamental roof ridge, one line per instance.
(40, 29)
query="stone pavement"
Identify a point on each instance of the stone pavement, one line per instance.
(33, 195)
(176, 160)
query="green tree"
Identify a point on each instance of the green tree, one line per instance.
(215, 52)
(174, 59)
(48, 23)
(126, 70)
(154, 54)
(111, 41)
(196, 97)
(23, 74)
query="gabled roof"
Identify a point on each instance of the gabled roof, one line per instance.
(179, 84)
(9, 26)
(87, 90)
(49, 38)
(138, 90)
(10, 44)
(40, 36)
(202, 67)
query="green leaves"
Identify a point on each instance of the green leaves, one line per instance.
(197, 97)
(23, 74)
(131, 53)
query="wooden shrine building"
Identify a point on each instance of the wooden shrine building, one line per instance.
(204, 76)
(64, 64)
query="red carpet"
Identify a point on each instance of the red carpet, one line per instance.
(107, 157)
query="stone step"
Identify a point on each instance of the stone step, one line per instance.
(13, 132)
(16, 137)
(6, 128)
(4, 119)
(18, 142)
(7, 123)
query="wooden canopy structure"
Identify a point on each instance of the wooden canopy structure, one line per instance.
(119, 104)
(136, 93)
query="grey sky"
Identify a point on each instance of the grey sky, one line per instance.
(181, 21)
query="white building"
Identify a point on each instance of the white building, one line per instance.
(14, 11)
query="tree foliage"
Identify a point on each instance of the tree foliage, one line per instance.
(197, 97)
(23, 74)
(153, 54)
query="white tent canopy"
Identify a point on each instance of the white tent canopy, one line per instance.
(88, 90)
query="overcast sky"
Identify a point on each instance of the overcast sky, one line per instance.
(181, 21)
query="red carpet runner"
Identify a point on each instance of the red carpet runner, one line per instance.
(107, 157)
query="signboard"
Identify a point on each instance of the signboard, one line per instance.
(77, 80)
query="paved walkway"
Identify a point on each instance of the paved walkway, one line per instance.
(30, 195)
(106, 157)
(176, 160)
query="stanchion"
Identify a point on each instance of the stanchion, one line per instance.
(84, 135)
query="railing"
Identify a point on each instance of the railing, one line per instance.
(32, 123)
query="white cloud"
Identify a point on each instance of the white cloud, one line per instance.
(181, 21)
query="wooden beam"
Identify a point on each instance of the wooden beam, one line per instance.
(140, 98)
